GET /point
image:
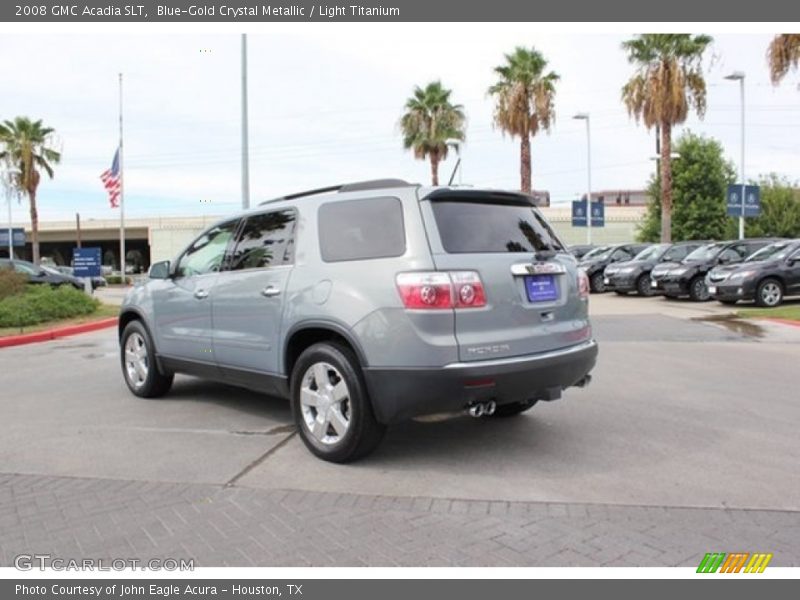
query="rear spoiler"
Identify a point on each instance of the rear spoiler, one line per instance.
(482, 196)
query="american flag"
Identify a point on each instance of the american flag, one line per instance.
(111, 181)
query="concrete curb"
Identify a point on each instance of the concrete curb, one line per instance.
(52, 334)
(782, 321)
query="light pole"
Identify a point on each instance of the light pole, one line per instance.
(739, 76)
(585, 117)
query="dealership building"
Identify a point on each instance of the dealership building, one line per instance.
(148, 240)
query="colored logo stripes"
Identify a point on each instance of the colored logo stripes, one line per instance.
(735, 562)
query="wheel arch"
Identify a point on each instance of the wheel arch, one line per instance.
(305, 334)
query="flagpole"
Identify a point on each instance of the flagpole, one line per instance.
(121, 191)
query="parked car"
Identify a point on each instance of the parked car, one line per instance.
(689, 277)
(97, 281)
(40, 275)
(634, 275)
(367, 304)
(767, 276)
(580, 250)
(595, 263)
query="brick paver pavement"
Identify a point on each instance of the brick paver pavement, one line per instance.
(239, 526)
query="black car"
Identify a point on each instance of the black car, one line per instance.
(97, 281)
(766, 276)
(634, 275)
(596, 261)
(580, 250)
(689, 277)
(40, 274)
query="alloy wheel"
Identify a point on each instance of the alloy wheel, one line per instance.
(137, 363)
(325, 403)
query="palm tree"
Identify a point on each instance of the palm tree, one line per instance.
(667, 83)
(25, 151)
(524, 96)
(783, 53)
(431, 125)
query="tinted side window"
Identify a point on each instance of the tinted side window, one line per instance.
(266, 240)
(677, 253)
(731, 254)
(361, 229)
(206, 253)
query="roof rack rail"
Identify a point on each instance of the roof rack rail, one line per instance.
(358, 186)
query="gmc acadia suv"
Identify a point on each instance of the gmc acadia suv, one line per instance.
(366, 304)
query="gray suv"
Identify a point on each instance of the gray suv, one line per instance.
(366, 304)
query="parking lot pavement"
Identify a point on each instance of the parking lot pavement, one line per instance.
(685, 443)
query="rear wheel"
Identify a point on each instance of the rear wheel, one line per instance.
(643, 287)
(513, 409)
(769, 293)
(596, 283)
(698, 290)
(331, 406)
(139, 367)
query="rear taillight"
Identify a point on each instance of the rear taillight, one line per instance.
(583, 284)
(438, 289)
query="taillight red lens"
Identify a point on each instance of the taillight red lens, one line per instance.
(583, 284)
(437, 289)
(467, 289)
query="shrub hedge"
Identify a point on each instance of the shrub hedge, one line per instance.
(11, 283)
(42, 303)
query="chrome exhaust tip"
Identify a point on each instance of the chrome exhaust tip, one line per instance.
(476, 410)
(490, 407)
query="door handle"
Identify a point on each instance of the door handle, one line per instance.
(200, 294)
(270, 291)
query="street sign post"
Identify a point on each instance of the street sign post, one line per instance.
(18, 238)
(86, 264)
(749, 206)
(579, 214)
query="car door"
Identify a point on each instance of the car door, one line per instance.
(182, 304)
(793, 273)
(247, 304)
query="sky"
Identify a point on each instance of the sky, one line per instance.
(325, 100)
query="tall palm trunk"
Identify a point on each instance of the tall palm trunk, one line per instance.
(666, 182)
(34, 225)
(434, 168)
(525, 163)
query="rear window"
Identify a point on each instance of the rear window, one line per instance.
(469, 226)
(361, 229)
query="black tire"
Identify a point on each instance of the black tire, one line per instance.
(643, 287)
(698, 290)
(596, 284)
(363, 432)
(512, 410)
(155, 383)
(769, 293)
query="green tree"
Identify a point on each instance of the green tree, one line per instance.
(783, 54)
(25, 150)
(780, 209)
(700, 178)
(432, 125)
(524, 102)
(668, 82)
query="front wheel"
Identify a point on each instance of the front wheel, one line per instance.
(596, 283)
(698, 290)
(769, 293)
(330, 404)
(643, 286)
(139, 367)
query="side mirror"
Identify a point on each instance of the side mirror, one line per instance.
(159, 270)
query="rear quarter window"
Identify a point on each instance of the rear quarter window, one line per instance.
(361, 229)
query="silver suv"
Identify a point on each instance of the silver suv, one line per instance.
(366, 304)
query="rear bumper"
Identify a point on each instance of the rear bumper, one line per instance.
(402, 393)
